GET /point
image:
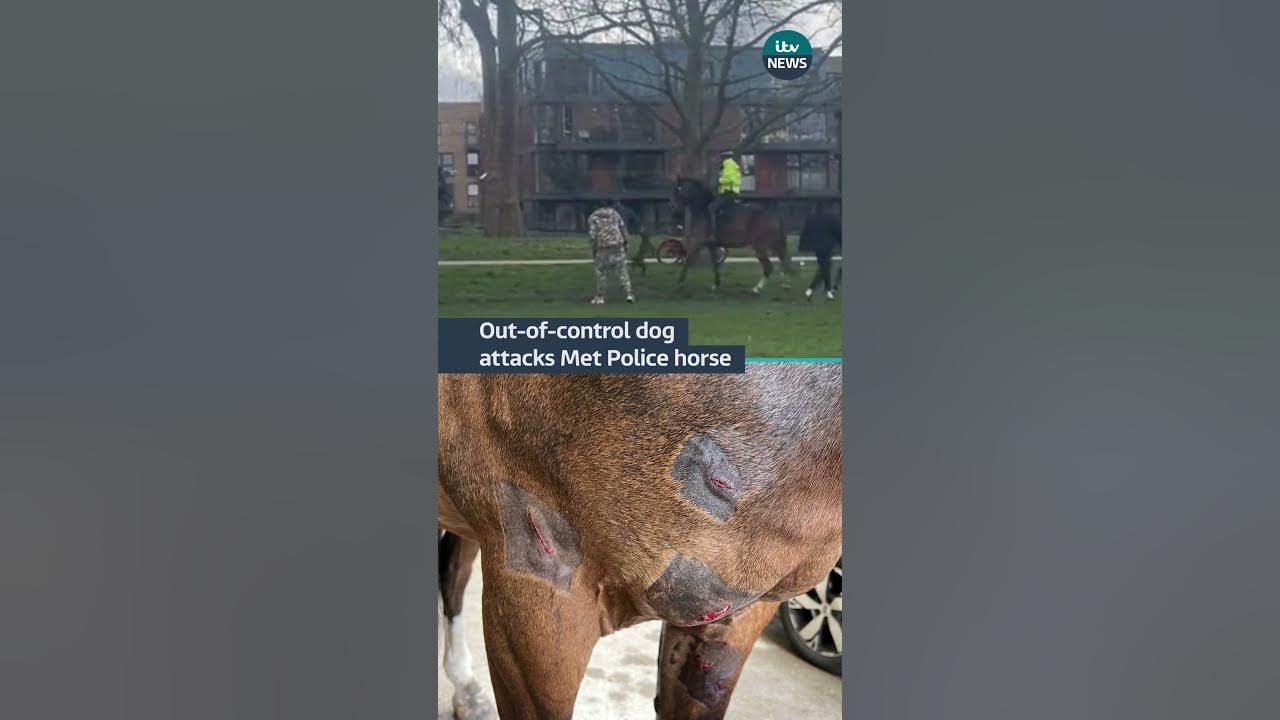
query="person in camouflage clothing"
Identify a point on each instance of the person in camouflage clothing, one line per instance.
(608, 233)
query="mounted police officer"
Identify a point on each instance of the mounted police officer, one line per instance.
(608, 233)
(728, 187)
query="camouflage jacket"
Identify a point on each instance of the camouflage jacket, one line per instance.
(607, 230)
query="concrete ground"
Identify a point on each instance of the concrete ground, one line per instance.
(622, 676)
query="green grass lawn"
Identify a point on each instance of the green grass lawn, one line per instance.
(777, 323)
(474, 246)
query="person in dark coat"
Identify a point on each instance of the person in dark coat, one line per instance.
(821, 236)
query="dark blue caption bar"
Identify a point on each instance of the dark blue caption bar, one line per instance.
(580, 345)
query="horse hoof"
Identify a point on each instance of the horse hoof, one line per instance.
(469, 703)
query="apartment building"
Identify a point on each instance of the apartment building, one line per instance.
(458, 138)
(588, 142)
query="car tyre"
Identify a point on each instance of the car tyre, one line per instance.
(814, 622)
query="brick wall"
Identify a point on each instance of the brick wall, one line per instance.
(452, 134)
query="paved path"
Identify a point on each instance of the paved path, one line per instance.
(621, 679)
(582, 261)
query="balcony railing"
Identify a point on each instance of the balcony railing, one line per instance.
(609, 133)
(642, 183)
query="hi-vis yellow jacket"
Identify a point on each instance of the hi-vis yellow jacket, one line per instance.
(730, 177)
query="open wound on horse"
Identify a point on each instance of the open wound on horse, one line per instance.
(537, 539)
(689, 593)
(706, 668)
(707, 478)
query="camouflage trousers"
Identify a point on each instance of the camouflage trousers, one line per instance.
(613, 260)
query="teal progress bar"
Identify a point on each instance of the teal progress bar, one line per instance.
(796, 359)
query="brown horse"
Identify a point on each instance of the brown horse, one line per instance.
(739, 226)
(602, 501)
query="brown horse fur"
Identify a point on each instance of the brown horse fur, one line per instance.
(744, 226)
(601, 501)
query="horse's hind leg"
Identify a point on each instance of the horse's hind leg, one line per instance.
(698, 667)
(715, 266)
(766, 269)
(457, 556)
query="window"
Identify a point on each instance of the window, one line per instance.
(439, 133)
(807, 127)
(643, 171)
(445, 160)
(760, 117)
(473, 164)
(566, 76)
(807, 171)
(748, 166)
(473, 195)
(637, 123)
(544, 123)
(559, 172)
(673, 78)
(473, 133)
(544, 215)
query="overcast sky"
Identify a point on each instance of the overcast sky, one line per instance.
(459, 67)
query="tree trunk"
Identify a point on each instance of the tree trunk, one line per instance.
(488, 136)
(477, 20)
(692, 140)
(509, 219)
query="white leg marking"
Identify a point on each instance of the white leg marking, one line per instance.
(457, 656)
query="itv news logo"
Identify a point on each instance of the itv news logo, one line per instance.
(787, 55)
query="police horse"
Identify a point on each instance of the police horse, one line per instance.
(602, 501)
(736, 226)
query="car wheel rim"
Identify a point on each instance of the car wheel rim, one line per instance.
(818, 615)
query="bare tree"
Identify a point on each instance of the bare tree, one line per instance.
(505, 32)
(477, 18)
(696, 59)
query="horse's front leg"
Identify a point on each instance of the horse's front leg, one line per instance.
(715, 266)
(698, 667)
(538, 638)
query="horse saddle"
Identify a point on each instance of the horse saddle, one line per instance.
(724, 207)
